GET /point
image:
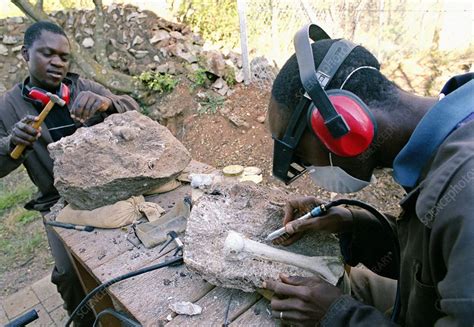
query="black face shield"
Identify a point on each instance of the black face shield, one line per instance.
(286, 165)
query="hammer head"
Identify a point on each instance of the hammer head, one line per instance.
(57, 100)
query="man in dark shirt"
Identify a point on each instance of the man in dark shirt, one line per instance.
(46, 50)
(429, 142)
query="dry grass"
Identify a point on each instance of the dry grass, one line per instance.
(21, 231)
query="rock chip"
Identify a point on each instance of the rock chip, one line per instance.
(261, 119)
(137, 40)
(10, 39)
(3, 50)
(88, 42)
(238, 121)
(128, 154)
(15, 20)
(159, 36)
(177, 35)
(253, 211)
(214, 62)
(139, 54)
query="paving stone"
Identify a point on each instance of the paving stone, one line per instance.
(59, 316)
(53, 302)
(3, 316)
(44, 318)
(20, 302)
(44, 288)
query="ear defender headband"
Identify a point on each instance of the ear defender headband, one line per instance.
(339, 118)
(39, 97)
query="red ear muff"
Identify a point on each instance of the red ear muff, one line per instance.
(359, 119)
(38, 94)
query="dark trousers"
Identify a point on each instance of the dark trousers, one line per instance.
(65, 278)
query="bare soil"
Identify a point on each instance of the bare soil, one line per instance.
(215, 140)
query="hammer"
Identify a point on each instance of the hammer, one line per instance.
(53, 99)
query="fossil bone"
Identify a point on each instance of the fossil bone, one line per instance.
(237, 246)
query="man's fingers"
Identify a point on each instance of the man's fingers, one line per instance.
(287, 239)
(26, 136)
(299, 206)
(295, 280)
(288, 304)
(27, 129)
(280, 288)
(298, 226)
(290, 316)
(89, 108)
(78, 106)
(29, 119)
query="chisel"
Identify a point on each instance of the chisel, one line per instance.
(70, 226)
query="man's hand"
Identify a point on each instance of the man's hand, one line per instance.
(23, 133)
(336, 220)
(87, 103)
(301, 301)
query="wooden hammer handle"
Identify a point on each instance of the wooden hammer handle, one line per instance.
(16, 153)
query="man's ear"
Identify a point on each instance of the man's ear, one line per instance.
(25, 54)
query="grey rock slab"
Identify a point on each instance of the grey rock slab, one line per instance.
(3, 50)
(10, 39)
(159, 35)
(253, 211)
(128, 154)
(88, 42)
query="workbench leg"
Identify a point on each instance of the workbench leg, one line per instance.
(101, 300)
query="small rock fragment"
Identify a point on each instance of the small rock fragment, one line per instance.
(233, 170)
(261, 119)
(10, 39)
(237, 121)
(159, 36)
(251, 178)
(252, 171)
(3, 50)
(186, 308)
(88, 42)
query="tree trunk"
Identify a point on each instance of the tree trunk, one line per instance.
(102, 74)
(100, 42)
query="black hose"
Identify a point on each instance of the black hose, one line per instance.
(104, 285)
(387, 225)
(23, 320)
(128, 322)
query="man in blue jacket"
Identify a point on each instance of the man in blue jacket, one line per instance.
(429, 142)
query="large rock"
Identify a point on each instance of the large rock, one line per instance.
(253, 211)
(214, 62)
(128, 154)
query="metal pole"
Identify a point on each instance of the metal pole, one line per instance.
(241, 6)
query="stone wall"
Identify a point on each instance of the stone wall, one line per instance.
(137, 41)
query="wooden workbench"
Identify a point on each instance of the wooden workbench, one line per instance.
(104, 254)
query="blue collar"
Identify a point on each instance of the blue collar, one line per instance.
(432, 130)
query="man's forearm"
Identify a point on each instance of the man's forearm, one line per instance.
(369, 243)
(346, 311)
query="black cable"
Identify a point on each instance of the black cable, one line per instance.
(128, 322)
(104, 285)
(388, 226)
